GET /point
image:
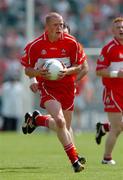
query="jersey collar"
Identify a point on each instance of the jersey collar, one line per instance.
(45, 35)
(117, 42)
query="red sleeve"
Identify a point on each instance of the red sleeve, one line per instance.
(26, 58)
(103, 60)
(78, 55)
(81, 54)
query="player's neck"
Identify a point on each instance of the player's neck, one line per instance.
(52, 38)
(120, 41)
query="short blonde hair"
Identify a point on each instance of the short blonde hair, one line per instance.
(52, 15)
(118, 19)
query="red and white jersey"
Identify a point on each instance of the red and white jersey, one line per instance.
(66, 50)
(112, 57)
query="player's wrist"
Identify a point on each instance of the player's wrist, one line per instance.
(114, 74)
(33, 80)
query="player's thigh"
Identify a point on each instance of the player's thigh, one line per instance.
(115, 119)
(54, 108)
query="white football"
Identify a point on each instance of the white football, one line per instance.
(54, 67)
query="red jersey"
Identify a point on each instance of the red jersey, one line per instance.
(66, 50)
(112, 57)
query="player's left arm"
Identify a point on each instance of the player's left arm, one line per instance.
(82, 59)
(77, 57)
(80, 68)
(79, 65)
(75, 69)
(83, 71)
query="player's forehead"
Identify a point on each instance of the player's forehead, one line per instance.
(118, 22)
(56, 20)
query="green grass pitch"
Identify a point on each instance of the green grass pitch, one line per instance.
(40, 156)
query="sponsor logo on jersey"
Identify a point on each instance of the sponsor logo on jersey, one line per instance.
(43, 52)
(53, 48)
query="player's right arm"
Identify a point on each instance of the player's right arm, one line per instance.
(103, 66)
(34, 85)
(28, 60)
(31, 72)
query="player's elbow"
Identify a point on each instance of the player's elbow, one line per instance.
(28, 72)
(98, 72)
(86, 69)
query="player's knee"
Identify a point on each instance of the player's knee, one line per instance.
(119, 128)
(122, 126)
(60, 123)
(117, 131)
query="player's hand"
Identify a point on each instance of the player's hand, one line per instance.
(43, 72)
(34, 87)
(63, 73)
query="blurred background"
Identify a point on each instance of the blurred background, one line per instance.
(23, 20)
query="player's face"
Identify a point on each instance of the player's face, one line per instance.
(55, 27)
(118, 30)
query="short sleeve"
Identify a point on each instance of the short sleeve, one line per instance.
(103, 60)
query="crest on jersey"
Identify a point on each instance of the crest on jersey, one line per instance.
(120, 55)
(101, 58)
(43, 52)
(107, 100)
(63, 52)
